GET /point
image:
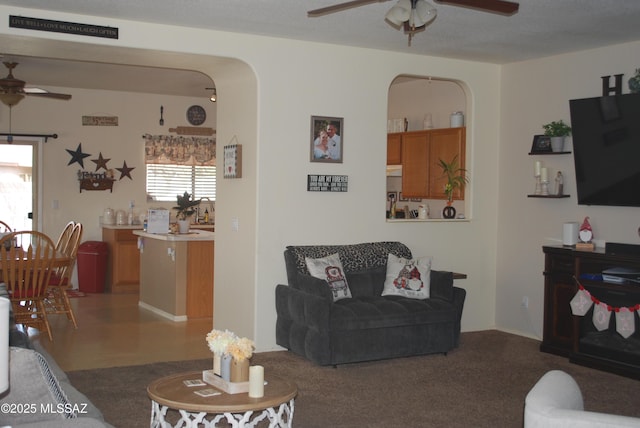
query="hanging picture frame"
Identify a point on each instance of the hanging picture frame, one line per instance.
(232, 161)
(327, 139)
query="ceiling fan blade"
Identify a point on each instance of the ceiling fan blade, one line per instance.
(492, 6)
(340, 7)
(49, 95)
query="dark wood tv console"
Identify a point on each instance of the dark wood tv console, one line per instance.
(575, 336)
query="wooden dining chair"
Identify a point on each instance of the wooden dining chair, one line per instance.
(65, 235)
(4, 227)
(26, 271)
(57, 300)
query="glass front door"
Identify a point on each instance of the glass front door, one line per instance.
(17, 184)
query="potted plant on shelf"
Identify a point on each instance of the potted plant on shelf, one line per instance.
(557, 130)
(456, 179)
(184, 210)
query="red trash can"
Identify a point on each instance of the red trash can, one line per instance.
(92, 266)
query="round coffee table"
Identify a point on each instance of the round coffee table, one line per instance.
(239, 410)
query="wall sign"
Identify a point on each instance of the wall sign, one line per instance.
(327, 183)
(62, 27)
(233, 161)
(99, 120)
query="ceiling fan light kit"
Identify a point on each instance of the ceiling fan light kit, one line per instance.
(415, 15)
(12, 90)
(10, 99)
(412, 15)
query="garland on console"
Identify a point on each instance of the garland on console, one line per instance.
(582, 301)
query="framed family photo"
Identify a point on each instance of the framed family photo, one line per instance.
(326, 139)
(541, 144)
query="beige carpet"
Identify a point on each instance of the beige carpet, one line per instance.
(483, 383)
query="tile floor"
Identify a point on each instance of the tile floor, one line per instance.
(114, 331)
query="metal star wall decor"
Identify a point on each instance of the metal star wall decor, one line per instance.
(101, 162)
(77, 156)
(125, 171)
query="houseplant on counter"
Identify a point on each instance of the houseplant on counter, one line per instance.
(184, 210)
(456, 179)
(557, 130)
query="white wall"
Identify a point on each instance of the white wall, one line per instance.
(533, 93)
(416, 97)
(268, 107)
(138, 114)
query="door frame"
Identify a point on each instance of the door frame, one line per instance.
(37, 150)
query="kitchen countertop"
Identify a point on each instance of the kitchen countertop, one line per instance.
(122, 226)
(139, 226)
(193, 235)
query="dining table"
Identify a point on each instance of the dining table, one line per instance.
(59, 259)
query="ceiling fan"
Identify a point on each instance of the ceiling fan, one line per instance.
(13, 90)
(414, 15)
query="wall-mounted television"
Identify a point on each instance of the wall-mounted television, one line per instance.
(606, 149)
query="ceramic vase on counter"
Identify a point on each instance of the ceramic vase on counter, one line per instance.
(183, 226)
(108, 217)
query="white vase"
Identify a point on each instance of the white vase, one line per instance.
(225, 367)
(183, 226)
(557, 144)
(217, 363)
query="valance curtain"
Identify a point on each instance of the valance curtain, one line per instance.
(180, 150)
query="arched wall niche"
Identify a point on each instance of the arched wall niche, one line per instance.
(413, 97)
(428, 101)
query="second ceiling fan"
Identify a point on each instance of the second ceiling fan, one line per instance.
(414, 15)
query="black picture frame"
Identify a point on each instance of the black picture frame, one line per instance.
(541, 144)
(320, 126)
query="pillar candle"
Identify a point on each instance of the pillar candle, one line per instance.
(5, 305)
(537, 169)
(543, 174)
(256, 381)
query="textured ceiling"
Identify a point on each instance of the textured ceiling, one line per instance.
(540, 28)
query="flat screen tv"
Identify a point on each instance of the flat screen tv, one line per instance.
(606, 149)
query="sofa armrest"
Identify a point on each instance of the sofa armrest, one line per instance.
(303, 308)
(441, 285)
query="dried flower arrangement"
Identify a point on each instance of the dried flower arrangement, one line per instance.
(226, 342)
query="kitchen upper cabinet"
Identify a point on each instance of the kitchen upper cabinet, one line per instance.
(415, 172)
(394, 149)
(420, 153)
(445, 144)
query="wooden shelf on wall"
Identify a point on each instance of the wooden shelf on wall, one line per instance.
(549, 153)
(548, 196)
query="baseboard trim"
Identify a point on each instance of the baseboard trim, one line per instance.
(167, 315)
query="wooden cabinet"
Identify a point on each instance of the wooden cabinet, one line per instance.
(445, 144)
(415, 165)
(420, 153)
(123, 262)
(559, 289)
(394, 149)
(575, 336)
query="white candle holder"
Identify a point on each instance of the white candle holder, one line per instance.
(545, 188)
(538, 189)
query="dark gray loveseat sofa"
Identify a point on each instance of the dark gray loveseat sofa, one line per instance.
(367, 326)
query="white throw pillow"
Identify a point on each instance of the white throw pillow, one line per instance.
(408, 278)
(330, 269)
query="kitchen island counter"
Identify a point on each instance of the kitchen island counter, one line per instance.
(176, 274)
(193, 235)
